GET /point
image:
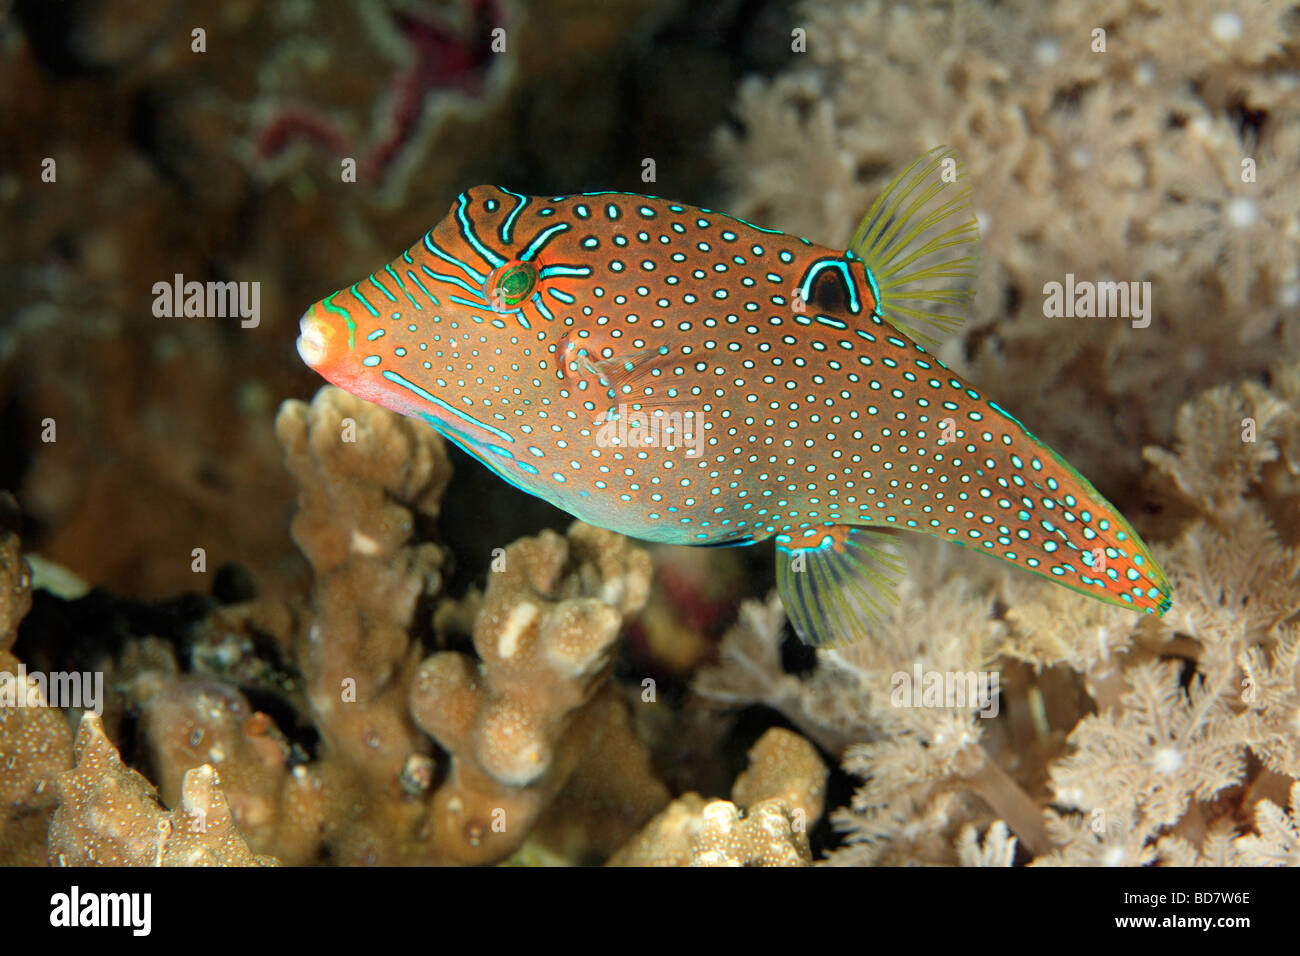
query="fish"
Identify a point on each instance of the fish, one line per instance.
(687, 377)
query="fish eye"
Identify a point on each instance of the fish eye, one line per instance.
(829, 293)
(509, 284)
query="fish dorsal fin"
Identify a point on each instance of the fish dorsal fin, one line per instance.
(838, 583)
(920, 243)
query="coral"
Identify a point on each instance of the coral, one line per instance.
(35, 740)
(749, 670)
(326, 707)
(189, 722)
(1122, 164)
(765, 823)
(367, 479)
(109, 815)
(1169, 157)
(35, 747)
(538, 743)
(612, 792)
(171, 161)
(1278, 841)
(1161, 747)
(536, 736)
(783, 766)
(698, 832)
(1215, 475)
(1172, 747)
(998, 848)
(15, 577)
(518, 721)
(1117, 739)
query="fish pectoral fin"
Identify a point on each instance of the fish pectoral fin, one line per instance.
(839, 582)
(610, 374)
(624, 373)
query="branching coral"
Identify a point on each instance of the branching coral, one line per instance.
(518, 720)
(539, 744)
(109, 815)
(35, 741)
(765, 823)
(531, 722)
(366, 480)
(35, 747)
(188, 722)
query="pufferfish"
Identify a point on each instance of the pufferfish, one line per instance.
(682, 376)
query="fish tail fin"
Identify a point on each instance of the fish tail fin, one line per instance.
(837, 582)
(920, 244)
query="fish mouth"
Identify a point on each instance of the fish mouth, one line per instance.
(313, 340)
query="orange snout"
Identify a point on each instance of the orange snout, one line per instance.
(322, 338)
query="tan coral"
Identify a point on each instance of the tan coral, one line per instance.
(518, 721)
(365, 474)
(190, 722)
(611, 793)
(35, 740)
(15, 578)
(109, 815)
(765, 823)
(694, 831)
(783, 766)
(35, 747)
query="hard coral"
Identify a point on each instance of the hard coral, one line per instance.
(765, 823)
(15, 577)
(190, 722)
(109, 815)
(367, 477)
(35, 747)
(519, 720)
(35, 741)
(784, 767)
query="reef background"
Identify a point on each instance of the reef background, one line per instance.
(333, 686)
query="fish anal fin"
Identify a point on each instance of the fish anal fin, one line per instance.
(838, 582)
